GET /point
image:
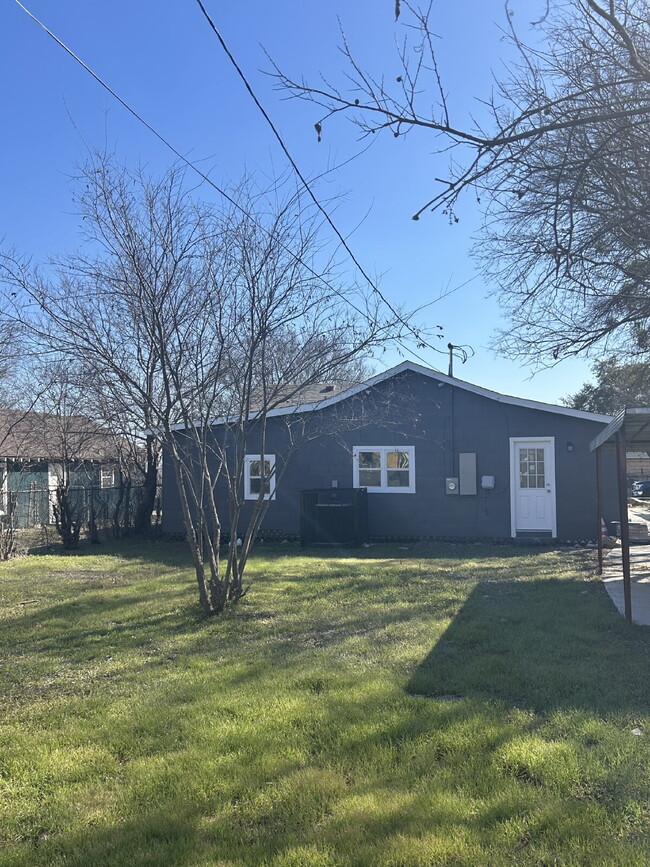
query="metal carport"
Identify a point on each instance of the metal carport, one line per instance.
(629, 430)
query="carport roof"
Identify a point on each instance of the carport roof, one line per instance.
(635, 424)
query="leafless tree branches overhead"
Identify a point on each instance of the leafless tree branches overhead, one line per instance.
(558, 161)
(174, 313)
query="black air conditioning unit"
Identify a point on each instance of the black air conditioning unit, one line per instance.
(334, 516)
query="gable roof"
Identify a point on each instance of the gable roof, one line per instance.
(447, 380)
(44, 436)
(312, 394)
(310, 405)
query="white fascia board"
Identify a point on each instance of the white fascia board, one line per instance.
(432, 374)
(506, 398)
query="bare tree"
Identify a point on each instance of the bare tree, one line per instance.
(185, 314)
(56, 441)
(20, 392)
(559, 162)
(8, 353)
(281, 328)
(64, 434)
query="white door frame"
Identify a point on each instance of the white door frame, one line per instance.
(550, 478)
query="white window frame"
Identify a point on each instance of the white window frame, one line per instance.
(248, 460)
(107, 469)
(384, 488)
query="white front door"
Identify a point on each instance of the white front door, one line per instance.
(532, 485)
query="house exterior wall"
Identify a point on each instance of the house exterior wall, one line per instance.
(32, 485)
(440, 421)
(30, 478)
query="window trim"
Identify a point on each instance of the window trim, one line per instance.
(384, 488)
(105, 468)
(248, 460)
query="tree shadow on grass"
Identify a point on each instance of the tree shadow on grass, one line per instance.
(527, 642)
(352, 763)
(246, 802)
(540, 645)
(151, 549)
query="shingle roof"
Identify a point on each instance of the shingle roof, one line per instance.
(298, 404)
(41, 436)
(315, 393)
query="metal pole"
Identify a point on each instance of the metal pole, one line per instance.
(625, 528)
(599, 509)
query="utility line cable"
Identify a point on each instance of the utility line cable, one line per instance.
(184, 159)
(304, 181)
(223, 192)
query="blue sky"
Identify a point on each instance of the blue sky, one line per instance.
(162, 58)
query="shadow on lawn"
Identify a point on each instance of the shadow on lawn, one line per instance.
(151, 549)
(248, 792)
(540, 645)
(267, 814)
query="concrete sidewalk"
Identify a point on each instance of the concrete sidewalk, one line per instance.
(640, 573)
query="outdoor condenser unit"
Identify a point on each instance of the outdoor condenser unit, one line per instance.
(334, 516)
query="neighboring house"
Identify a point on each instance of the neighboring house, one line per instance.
(438, 457)
(38, 451)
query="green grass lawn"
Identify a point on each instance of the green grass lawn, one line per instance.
(437, 705)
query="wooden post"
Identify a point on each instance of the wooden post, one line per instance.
(625, 528)
(599, 509)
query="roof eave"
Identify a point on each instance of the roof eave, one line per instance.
(432, 374)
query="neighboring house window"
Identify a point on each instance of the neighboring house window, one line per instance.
(259, 475)
(384, 468)
(109, 477)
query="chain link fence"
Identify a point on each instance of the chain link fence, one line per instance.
(33, 505)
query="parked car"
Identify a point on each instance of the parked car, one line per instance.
(641, 488)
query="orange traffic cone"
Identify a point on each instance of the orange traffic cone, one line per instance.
(604, 535)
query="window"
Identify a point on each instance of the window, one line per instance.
(259, 475)
(384, 468)
(532, 472)
(108, 477)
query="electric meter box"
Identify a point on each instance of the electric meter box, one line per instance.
(487, 482)
(451, 486)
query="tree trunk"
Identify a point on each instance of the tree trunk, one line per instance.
(8, 530)
(117, 509)
(92, 518)
(142, 520)
(212, 590)
(66, 519)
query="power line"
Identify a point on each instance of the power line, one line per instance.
(303, 180)
(183, 158)
(228, 197)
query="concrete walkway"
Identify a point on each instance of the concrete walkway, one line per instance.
(640, 572)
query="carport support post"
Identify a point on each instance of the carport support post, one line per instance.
(625, 527)
(599, 509)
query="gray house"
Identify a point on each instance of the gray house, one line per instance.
(438, 457)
